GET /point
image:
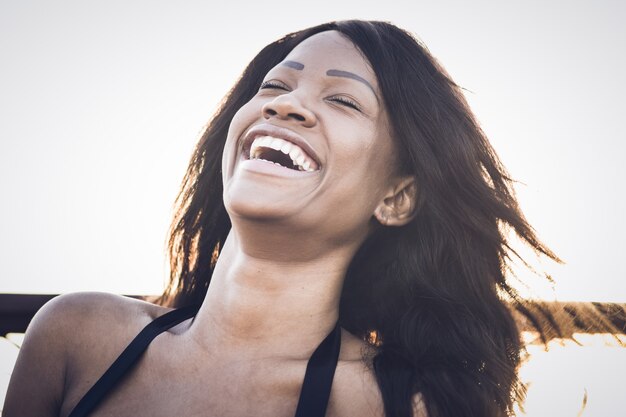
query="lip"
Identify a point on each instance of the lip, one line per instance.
(266, 129)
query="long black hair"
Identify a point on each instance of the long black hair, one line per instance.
(430, 296)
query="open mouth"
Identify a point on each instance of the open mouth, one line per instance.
(281, 152)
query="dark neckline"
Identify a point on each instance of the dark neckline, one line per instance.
(314, 394)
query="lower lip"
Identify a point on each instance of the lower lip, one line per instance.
(268, 168)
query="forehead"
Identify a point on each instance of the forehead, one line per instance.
(331, 50)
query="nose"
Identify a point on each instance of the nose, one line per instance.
(288, 107)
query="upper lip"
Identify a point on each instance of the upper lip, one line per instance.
(266, 129)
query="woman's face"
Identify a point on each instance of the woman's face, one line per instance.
(311, 150)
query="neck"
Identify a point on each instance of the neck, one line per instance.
(285, 305)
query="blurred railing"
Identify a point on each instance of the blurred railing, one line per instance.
(562, 319)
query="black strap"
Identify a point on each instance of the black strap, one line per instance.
(314, 395)
(318, 378)
(129, 357)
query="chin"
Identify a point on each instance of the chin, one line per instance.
(249, 202)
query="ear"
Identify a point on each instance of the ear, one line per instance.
(398, 206)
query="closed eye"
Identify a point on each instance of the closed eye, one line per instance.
(271, 84)
(342, 100)
(346, 102)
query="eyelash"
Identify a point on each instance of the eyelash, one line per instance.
(346, 102)
(272, 84)
(341, 100)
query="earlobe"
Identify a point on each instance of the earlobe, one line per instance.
(399, 205)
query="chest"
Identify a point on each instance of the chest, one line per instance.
(195, 398)
(166, 383)
(174, 378)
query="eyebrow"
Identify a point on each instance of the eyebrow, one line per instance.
(333, 73)
(346, 74)
(293, 64)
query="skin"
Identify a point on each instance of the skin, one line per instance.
(275, 290)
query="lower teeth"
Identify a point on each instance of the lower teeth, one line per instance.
(299, 168)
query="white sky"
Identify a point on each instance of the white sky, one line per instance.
(101, 104)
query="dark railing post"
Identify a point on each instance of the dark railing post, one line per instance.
(17, 310)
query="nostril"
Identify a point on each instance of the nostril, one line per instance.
(285, 109)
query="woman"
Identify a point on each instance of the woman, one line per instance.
(342, 202)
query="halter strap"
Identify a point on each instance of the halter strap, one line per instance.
(129, 357)
(318, 378)
(315, 390)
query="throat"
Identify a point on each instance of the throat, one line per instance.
(261, 299)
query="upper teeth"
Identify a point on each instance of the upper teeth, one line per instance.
(297, 154)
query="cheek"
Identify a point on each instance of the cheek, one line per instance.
(239, 123)
(362, 176)
(379, 156)
(368, 156)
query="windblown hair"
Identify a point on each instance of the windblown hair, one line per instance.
(431, 296)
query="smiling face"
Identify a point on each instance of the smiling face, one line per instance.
(311, 150)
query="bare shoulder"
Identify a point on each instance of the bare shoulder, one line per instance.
(355, 389)
(75, 321)
(66, 333)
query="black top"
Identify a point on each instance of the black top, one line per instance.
(315, 389)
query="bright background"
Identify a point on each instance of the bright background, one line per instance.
(101, 104)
